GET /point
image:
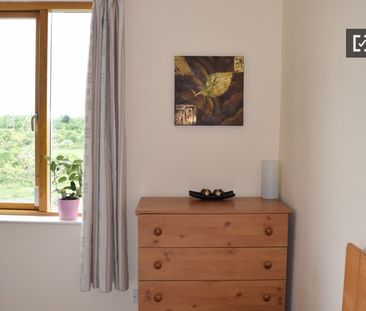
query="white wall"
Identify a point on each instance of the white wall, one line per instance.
(39, 271)
(169, 160)
(163, 159)
(323, 146)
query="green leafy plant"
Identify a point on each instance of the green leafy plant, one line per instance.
(67, 176)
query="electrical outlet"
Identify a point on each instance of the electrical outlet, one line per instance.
(135, 295)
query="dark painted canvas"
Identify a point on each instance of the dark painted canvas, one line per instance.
(209, 90)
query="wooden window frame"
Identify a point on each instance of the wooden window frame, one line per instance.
(39, 11)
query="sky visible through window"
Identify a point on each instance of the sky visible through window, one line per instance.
(69, 42)
(17, 63)
(69, 45)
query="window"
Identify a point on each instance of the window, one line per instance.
(43, 61)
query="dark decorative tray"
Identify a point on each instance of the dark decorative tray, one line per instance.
(199, 195)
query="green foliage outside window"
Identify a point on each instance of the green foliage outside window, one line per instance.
(17, 151)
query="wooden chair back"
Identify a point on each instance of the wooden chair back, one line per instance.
(354, 291)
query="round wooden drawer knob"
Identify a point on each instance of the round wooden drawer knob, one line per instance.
(157, 231)
(157, 265)
(266, 297)
(268, 231)
(158, 297)
(268, 265)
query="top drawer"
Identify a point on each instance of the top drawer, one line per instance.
(220, 230)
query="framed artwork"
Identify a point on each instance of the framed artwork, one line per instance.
(209, 90)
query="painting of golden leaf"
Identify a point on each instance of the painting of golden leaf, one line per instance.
(209, 90)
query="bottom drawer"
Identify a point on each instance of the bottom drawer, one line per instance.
(211, 295)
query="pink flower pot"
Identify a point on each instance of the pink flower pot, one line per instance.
(68, 209)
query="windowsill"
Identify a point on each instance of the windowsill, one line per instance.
(38, 220)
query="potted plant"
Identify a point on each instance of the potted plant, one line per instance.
(67, 176)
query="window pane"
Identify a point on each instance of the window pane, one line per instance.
(17, 105)
(69, 49)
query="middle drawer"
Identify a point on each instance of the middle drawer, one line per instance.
(212, 263)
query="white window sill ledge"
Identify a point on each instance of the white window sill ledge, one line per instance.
(38, 220)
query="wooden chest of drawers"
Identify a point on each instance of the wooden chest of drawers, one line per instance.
(212, 255)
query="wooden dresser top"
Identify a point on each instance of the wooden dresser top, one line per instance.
(187, 205)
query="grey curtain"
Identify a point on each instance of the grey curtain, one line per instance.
(103, 238)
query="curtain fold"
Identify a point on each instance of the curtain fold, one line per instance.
(104, 234)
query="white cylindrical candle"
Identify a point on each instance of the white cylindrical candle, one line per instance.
(270, 179)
